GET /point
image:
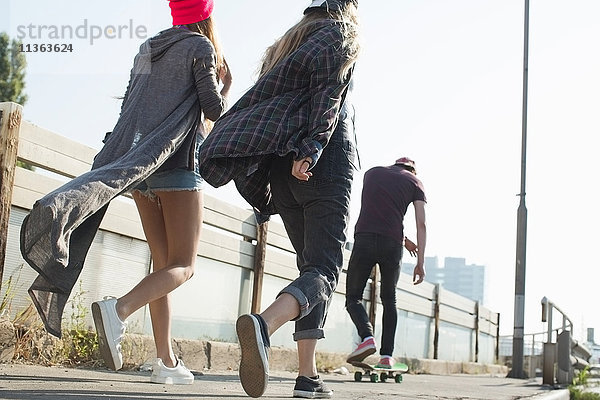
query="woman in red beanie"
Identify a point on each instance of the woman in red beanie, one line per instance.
(174, 85)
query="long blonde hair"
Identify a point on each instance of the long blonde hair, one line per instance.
(295, 36)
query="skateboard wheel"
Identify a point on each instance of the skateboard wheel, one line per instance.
(383, 377)
(357, 376)
(374, 378)
(398, 378)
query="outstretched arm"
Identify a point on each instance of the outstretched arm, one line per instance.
(419, 271)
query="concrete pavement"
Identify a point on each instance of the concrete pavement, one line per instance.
(18, 381)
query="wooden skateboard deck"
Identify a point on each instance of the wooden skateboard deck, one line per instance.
(371, 371)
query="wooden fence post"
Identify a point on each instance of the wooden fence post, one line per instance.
(497, 350)
(436, 319)
(373, 297)
(259, 266)
(10, 125)
(477, 332)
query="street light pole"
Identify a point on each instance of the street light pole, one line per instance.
(517, 370)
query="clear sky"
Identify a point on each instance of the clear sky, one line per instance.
(438, 80)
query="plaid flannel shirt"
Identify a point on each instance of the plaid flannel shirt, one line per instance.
(292, 108)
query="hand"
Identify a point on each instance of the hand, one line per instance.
(300, 169)
(418, 274)
(410, 246)
(225, 76)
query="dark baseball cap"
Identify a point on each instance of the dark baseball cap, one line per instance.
(329, 5)
(406, 161)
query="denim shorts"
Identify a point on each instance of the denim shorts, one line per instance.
(174, 180)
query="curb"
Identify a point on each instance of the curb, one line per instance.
(202, 355)
(560, 394)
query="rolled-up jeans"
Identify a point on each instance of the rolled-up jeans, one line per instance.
(370, 249)
(315, 216)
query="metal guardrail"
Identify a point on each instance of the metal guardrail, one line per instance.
(561, 358)
(547, 308)
(553, 350)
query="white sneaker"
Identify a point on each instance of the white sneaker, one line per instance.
(178, 375)
(110, 330)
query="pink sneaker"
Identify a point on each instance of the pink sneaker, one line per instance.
(365, 349)
(386, 362)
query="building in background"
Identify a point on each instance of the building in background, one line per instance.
(455, 275)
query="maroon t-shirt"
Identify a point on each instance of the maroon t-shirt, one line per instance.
(386, 194)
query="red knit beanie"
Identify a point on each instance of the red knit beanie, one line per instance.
(190, 11)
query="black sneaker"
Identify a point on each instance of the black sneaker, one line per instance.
(254, 344)
(311, 388)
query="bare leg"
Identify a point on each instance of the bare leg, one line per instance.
(172, 227)
(283, 309)
(307, 364)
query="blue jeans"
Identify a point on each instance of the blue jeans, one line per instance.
(370, 249)
(315, 216)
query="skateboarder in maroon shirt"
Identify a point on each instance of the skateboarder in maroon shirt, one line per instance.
(379, 239)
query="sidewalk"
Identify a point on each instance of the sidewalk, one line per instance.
(19, 381)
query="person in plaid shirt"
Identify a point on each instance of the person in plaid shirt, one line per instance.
(288, 144)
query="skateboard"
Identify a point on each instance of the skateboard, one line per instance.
(375, 373)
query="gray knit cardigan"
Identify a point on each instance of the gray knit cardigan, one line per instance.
(173, 83)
